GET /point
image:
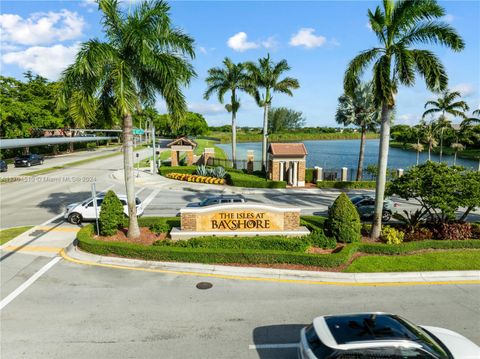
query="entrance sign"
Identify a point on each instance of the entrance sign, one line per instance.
(239, 219)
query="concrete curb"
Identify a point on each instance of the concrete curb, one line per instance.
(277, 275)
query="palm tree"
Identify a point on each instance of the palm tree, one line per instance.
(359, 110)
(266, 76)
(419, 148)
(457, 147)
(429, 132)
(399, 26)
(232, 77)
(446, 105)
(142, 54)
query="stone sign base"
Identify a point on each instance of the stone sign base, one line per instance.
(177, 234)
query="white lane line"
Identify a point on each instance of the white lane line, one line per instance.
(150, 198)
(140, 191)
(274, 346)
(28, 282)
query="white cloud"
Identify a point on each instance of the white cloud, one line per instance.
(406, 119)
(369, 26)
(206, 108)
(239, 42)
(334, 42)
(45, 61)
(270, 43)
(202, 50)
(448, 18)
(465, 89)
(305, 37)
(41, 28)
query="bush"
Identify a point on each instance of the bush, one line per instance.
(454, 231)
(418, 234)
(111, 215)
(151, 221)
(195, 178)
(320, 240)
(391, 235)
(160, 227)
(366, 229)
(476, 230)
(264, 243)
(164, 170)
(309, 175)
(343, 221)
(240, 179)
(346, 184)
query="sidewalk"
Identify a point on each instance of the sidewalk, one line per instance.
(73, 254)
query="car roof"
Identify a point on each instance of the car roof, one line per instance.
(226, 196)
(363, 330)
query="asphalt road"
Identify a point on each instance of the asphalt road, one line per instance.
(76, 311)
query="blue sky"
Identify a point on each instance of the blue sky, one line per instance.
(318, 39)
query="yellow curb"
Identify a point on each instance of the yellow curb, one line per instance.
(59, 229)
(33, 249)
(259, 279)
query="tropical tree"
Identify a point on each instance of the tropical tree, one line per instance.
(446, 104)
(359, 110)
(456, 147)
(399, 26)
(142, 55)
(418, 147)
(266, 76)
(429, 131)
(234, 78)
(282, 119)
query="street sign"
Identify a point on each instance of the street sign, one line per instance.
(138, 131)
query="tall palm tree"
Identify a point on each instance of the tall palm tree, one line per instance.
(234, 78)
(446, 104)
(399, 26)
(429, 131)
(457, 147)
(266, 76)
(359, 110)
(142, 55)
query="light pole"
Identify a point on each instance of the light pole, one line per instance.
(154, 149)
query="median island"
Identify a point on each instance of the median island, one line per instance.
(257, 235)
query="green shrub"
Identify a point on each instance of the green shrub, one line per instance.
(241, 179)
(260, 243)
(347, 184)
(320, 240)
(111, 214)
(313, 223)
(164, 170)
(476, 230)
(343, 221)
(159, 224)
(366, 229)
(391, 235)
(160, 227)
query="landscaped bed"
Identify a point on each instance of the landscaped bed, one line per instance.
(289, 253)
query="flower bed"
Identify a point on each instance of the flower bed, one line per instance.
(195, 178)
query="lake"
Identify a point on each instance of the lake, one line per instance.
(344, 153)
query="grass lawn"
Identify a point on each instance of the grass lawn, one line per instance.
(433, 261)
(10, 233)
(202, 144)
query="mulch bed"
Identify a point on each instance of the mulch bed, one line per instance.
(147, 237)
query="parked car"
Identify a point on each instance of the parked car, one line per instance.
(3, 166)
(28, 160)
(365, 205)
(380, 335)
(209, 201)
(76, 213)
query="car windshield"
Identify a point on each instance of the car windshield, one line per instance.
(205, 202)
(371, 327)
(356, 199)
(24, 157)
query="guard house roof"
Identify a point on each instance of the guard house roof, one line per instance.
(287, 149)
(182, 141)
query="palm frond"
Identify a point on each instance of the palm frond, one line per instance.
(356, 67)
(433, 33)
(432, 70)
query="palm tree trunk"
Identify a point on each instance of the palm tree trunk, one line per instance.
(382, 171)
(234, 138)
(418, 151)
(265, 136)
(441, 145)
(429, 150)
(133, 229)
(361, 155)
(455, 158)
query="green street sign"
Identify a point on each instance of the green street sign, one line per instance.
(138, 131)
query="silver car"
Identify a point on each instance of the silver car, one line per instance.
(380, 335)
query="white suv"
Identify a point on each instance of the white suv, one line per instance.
(78, 212)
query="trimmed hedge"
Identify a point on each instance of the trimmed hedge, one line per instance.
(298, 244)
(347, 184)
(152, 221)
(309, 175)
(164, 170)
(343, 222)
(240, 179)
(313, 223)
(253, 256)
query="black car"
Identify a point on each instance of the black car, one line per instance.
(28, 160)
(3, 166)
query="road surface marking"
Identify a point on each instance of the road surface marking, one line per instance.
(33, 249)
(5, 301)
(274, 346)
(150, 198)
(262, 279)
(140, 191)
